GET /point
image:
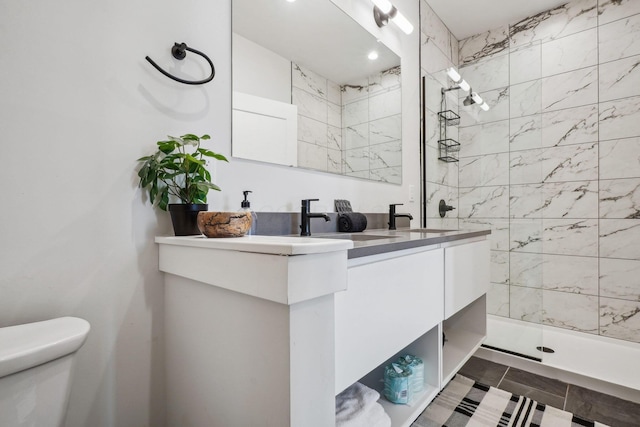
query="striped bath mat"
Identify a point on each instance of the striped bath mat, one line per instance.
(466, 403)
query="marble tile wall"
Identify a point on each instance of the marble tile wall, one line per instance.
(554, 167)
(439, 50)
(371, 127)
(319, 120)
(350, 129)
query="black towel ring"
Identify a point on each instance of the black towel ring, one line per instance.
(178, 52)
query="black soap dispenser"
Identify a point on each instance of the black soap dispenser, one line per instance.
(246, 206)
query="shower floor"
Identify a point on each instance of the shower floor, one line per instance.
(599, 363)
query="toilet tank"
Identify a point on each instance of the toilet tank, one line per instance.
(36, 361)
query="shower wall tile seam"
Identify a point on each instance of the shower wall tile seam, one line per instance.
(623, 98)
(540, 113)
(620, 298)
(617, 59)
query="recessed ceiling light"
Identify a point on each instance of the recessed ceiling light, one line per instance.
(373, 55)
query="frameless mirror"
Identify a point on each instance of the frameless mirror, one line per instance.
(307, 94)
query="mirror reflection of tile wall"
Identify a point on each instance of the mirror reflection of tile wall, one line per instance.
(352, 129)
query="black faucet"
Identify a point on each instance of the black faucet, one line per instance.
(393, 215)
(305, 217)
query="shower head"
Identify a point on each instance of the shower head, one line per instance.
(474, 98)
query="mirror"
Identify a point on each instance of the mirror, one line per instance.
(305, 93)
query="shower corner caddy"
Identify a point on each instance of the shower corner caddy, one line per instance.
(448, 148)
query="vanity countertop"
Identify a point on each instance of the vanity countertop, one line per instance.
(366, 243)
(276, 245)
(374, 242)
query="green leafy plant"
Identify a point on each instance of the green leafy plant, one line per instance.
(177, 171)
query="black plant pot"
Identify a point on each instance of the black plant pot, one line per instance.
(185, 218)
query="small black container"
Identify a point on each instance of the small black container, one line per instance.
(184, 218)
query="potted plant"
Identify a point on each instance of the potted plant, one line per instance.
(177, 172)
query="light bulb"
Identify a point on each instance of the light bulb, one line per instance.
(385, 6)
(484, 106)
(453, 74)
(403, 23)
(373, 55)
(476, 98)
(464, 85)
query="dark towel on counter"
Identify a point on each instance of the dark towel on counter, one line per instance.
(351, 222)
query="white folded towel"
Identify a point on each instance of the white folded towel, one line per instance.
(358, 406)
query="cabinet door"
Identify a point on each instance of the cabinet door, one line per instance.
(387, 305)
(466, 274)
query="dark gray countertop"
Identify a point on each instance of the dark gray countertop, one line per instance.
(374, 242)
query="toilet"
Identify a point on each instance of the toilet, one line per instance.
(36, 361)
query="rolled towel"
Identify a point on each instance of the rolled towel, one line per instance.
(351, 222)
(358, 406)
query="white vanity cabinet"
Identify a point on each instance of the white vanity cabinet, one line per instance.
(390, 301)
(466, 272)
(392, 306)
(266, 330)
(466, 282)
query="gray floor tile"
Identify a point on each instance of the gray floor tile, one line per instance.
(483, 371)
(538, 382)
(532, 393)
(603, 408)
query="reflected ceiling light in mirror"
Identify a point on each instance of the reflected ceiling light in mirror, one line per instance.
(373, 55)
(473, 97)
(383, 10)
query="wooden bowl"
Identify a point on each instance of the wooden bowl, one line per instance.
(224, 224)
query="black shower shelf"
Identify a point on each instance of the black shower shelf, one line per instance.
(450, 118)
(448, 150)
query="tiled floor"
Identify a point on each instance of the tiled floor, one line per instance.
(585, 403)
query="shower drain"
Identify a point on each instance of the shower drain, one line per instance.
(545, 349)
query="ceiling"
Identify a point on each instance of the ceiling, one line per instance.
(466, 18)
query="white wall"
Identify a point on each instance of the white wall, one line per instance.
(79, 104)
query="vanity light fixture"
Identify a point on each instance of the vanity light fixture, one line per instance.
(453, 74)
(457, 78)
(473, 97)
(383, 10)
